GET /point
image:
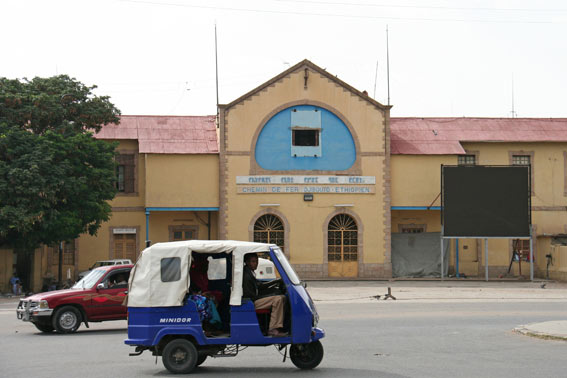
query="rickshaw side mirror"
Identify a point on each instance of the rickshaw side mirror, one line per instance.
(304, 284)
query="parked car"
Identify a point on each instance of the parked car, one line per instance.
(98, 264)
(97, 297)
(266, 269)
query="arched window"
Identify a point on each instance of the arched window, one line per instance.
(343, 239)
(269, 229)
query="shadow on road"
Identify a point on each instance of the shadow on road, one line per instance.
(80, 332)
(112, 331)
(287, 370)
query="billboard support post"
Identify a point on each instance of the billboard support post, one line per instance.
(442, 262)
(486, 259)
(457, 258)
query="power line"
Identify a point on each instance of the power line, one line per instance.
(421, 6)
(333, 14)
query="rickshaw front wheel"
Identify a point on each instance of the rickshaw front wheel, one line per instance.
(179, 356)
(306, 356)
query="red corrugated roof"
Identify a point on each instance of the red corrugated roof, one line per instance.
(409, 136)
(443, 136)
(166, 134)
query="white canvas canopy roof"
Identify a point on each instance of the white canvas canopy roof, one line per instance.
(146, 288)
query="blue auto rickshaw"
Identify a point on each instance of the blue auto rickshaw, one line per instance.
(164, 318)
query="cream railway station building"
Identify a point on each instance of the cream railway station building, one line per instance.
(318, 167)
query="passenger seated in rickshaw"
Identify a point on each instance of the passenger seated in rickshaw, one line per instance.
(200, 280)
(208, 313)
(251, 288)
(202, 297)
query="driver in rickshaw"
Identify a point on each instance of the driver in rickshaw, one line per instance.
(251, 288)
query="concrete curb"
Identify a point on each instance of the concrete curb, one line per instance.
(542, 331)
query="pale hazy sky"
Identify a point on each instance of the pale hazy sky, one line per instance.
(447, 58)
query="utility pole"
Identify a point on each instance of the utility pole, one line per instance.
(60, 273)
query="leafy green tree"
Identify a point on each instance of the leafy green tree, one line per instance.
(55, 178)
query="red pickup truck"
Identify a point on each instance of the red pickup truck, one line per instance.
(95, 298)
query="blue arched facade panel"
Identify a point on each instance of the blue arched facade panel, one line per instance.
(274, 145)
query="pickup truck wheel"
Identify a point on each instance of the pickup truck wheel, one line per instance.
(306, 356)
(47, 328)
(67, 319)
(180, 356)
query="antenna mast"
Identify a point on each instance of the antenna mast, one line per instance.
(375, 79)
(217, 73)
(513, 112)
(388, 64)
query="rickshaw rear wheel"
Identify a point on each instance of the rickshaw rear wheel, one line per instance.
(306, 356)
(179, 356)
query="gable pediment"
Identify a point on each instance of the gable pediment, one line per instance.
(307, 68)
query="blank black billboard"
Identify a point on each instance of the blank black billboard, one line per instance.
(485, 201)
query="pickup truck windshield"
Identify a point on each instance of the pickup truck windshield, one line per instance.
(287, 266)
(89, 280)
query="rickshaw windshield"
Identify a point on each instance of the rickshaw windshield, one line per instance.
(287, 266)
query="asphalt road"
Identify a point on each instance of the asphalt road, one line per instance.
(365, 338)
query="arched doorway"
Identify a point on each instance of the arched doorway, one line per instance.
(270, 229)
(342, 246)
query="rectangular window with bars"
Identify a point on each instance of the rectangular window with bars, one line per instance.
(411, 228)
(342, 245)
(126, 173)
(467, 160)
(178, 233)
(521, 160)
(68, 253)
(182, 235)
(120, 185)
